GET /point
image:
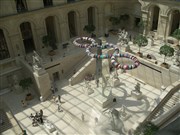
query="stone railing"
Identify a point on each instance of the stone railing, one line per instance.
(165, 98)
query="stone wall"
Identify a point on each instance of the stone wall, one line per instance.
(154, 75)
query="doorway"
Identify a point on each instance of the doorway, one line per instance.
(27, 36)
(56, 76)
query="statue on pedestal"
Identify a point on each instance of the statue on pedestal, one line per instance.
(136, 93)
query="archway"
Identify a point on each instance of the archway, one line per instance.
(21, 5)
(72, 23)
(91, 16)
(27, 37)
(107, 13)
(51, 28)
(4, 52)
(175, 18)
(155, 18)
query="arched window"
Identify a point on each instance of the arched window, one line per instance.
(4, 52)
(27, 36)
(91, 16)
(72, 24)
(47, 3)
(70, 1)
(155, 18)
(175, 20)
(21, 5)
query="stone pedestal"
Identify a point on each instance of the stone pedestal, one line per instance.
(115, 82)
(136, 95)
(103, 101)
(88, 91)
(43, 84)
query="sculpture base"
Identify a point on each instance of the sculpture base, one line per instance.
(136, 95)
(115, 82)
(102, 101)
(88, 91)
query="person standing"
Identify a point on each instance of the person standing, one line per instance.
(41, 112)
(59, 98)
(82, 117)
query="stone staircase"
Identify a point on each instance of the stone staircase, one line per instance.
(174, 100)
(10, 125)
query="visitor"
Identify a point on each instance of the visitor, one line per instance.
(31, 116)
(96, 120)
(59, 98)
(54, 98)
(41, 120)
(82, 117)
(52, 90)
(97, 83)
(24, 132)
(59, 108)
(41, 112)
(1, 122)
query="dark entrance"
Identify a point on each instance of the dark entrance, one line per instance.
(56, 76)
(27, 37)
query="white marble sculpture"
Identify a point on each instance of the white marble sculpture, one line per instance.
(137, 94)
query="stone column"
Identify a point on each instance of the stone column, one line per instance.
(146, 21)
(64, 28)
(162, 26)
(101, 22)
(83, 21)
(169, 23)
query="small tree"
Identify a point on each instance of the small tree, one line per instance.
(141, 25)
(47, 40)
(89, 28)
(166, 50)
(146, 129)
(115, 21)
(176, 34)
(140, 40)
(26, 83)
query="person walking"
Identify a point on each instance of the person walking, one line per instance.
(59, 108)
(59, 98)
(41, 112)
(82, 117)
(96, 120)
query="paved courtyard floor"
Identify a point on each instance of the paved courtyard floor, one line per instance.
(75, 102)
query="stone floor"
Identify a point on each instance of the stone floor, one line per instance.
(75, 102)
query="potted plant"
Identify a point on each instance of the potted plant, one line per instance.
(47, 40)
(90, 28)
(140, 40)
(176, 34)
(141, 25)
(25, 84)
(166, 50)
(115, 21)
(146, 129)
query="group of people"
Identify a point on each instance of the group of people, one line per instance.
(37, 118)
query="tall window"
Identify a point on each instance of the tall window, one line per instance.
(27, 36)
(155, 18)
(72, 24)
(47, 3)
(4, 53)
(70, 1)
(21, 5)
(91, 16)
